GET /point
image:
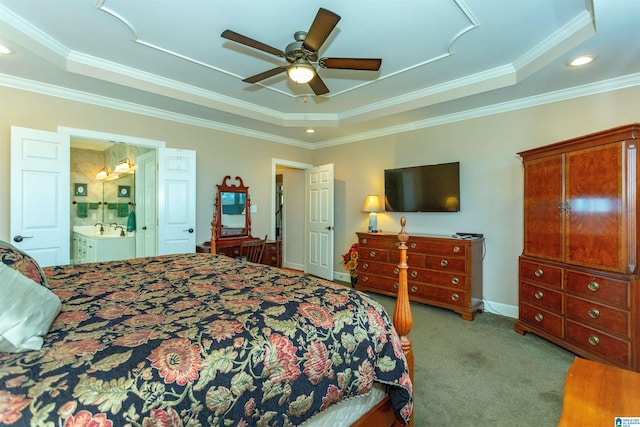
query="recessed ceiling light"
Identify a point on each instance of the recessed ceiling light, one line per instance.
(5, 50)
(582, 60)
(310, 130)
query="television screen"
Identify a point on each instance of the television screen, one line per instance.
(429, 188)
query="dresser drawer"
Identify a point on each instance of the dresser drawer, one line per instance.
(541, 297)
(375, 267)
(413, 259)
(375, 254)
(541, 273)
(445, 263)
(541, 319)
(455, 280)
(597, 342)
(381, 241)
(445, 247)
(597, 315)
(434, 293)
(232, 251)
(599, 288)
(378, 282)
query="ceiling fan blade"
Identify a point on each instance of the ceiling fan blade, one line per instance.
(324, 22)
(369, 64)
(265, 74)
(239, 38)
(318, 86)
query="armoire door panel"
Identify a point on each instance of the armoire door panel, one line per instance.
(543, 208)
(593, 191)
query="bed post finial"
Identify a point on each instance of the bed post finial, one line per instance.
(402, 319)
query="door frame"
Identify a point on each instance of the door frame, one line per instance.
(289, 164)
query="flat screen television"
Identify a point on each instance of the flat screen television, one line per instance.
(428, 188)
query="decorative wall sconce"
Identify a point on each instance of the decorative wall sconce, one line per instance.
(123, 166)
(103, 174)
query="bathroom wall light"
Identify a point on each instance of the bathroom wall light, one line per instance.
(123, 165)
(103, 173)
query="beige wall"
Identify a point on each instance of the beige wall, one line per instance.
(490, 174)
(218, 153)
(486, 147)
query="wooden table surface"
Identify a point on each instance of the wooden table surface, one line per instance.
(596, 394)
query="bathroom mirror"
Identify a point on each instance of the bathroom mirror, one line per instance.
(232, 218)
(117, 199)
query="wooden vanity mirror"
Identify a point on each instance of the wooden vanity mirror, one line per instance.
(231, 219)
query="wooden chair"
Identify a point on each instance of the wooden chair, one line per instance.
(252, 250)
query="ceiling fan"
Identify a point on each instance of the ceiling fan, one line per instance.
(303, 53)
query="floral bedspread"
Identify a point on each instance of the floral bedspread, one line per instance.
(197, 340)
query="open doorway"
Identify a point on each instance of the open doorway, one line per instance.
(288, 211)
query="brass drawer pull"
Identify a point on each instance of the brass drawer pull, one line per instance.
(396, 270)
(414, 274)
(455, 281)
(444, 263)
(365, 266)
(593, 285)
(397, 244)
(456, 249)
(365, 279)
(395, 285)
(364, 241)
(413, 246)
(414, 289)
(594, 313)
(455, 297)
(539, 272)
(539, 294)
(539, 317)
(372, 254)
(594, 340)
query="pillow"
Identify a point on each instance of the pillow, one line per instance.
(20, 261)
(26, 311)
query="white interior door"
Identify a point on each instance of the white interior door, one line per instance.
(319, 224)
(146, 222)
(40, 195)
(176, 201)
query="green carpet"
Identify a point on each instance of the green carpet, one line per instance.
(482, 373)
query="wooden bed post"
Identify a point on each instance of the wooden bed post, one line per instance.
(212, 249)
(402, 319)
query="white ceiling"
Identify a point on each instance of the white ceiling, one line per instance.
(442, 60)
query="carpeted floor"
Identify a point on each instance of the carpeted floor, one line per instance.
(482, 373)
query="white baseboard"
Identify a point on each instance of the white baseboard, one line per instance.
(293, 266)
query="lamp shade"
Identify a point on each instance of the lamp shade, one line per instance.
(372, 204)
(301, 71)
(103, 173)
(123, 166)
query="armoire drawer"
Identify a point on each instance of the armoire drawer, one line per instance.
(378, 282)
(595, 341)
(380, 241)
(594, 287)
(542, 319)
(541, 297)
(375, 254)
(597, 315)
(541, 273)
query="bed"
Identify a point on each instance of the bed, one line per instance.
(201, 339)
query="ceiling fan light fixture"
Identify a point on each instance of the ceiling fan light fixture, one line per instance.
(301, 71)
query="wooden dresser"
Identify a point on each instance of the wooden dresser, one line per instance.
(578, 273)
(444, 272)
(231, 248)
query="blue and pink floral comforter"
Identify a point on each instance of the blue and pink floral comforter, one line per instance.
(197, 340)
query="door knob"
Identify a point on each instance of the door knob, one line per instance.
(328, 228)
(20, 238)
(144, 228)
(189, 230)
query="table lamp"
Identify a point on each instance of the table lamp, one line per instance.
(372, 205)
